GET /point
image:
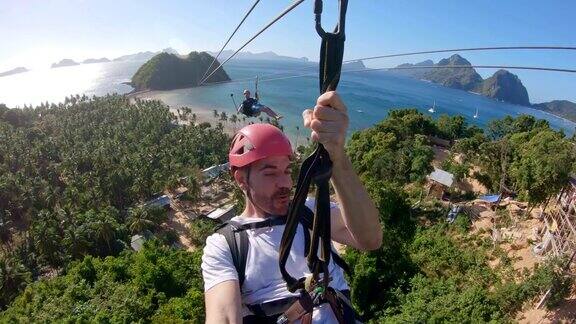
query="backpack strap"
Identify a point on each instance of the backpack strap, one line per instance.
(238, 243)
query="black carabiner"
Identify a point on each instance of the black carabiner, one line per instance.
(340, 27)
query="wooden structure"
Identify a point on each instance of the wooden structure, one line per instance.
(561, 221)
(439, 182)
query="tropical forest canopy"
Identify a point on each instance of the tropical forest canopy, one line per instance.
(72, 178)
(73, 175)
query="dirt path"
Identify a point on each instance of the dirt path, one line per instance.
(179, 221)
(564, 313)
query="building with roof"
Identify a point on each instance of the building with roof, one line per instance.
(214, 172)
(160, 202)
(442, 177)
(440, 181)
(222, 214)
(137, 241)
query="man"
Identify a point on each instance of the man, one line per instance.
(260, 159)
(252, 108)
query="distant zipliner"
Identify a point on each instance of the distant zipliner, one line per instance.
(252, 108)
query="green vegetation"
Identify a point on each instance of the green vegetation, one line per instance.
(73, 175)
(398, 150)
(524, 155)
(168, 71)
(427, 270)
(200, 229)
(73, 178)
(157, 284)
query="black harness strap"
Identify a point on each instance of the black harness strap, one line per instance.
(317, 167)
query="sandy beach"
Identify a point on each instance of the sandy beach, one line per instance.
(205, 114)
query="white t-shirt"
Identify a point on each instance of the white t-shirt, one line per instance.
(263, 281)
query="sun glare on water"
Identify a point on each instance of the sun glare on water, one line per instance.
(48, 84)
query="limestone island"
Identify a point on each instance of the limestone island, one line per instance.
(167, 71)
(64, 62)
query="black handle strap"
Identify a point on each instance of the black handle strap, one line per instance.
(318, 166)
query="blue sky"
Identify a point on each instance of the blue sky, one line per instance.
(38, 32)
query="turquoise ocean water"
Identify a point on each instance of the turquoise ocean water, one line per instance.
(368, 95)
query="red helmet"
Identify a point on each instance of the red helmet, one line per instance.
(255, 142)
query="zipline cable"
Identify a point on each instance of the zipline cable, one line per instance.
(286, 11)
(529, 68)
(229, 38)
(468, 49)
(494, 48)
(567, 48)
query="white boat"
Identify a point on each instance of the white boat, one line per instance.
(433, 108)
(476, 114)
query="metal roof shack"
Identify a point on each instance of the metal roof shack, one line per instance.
(214, 171)
(222, 214)
(137, 241)
(161, 202)
(442, 177)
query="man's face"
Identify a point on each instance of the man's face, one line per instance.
(246, 94)
(270, 184)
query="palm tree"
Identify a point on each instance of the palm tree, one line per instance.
(106, 232)
(5, 235)
(224, 118)
(234, 120)
(297, 134)
(13, 279)
(139, 220)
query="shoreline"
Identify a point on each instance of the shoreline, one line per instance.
(206, 115)
(203, 115)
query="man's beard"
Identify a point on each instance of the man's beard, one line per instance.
(277, 204)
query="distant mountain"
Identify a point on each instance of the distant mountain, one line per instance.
(170, 50)
(17, 70)
(353, 66)
(140, 56)
(168, 71)
(562, 108)
(144, 56)
(64, 62)
(456, 78)
(410, 70)
(91, 60)
(265, 56)
(504, 86)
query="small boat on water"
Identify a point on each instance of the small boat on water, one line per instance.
(433, 108)
(476, 114)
